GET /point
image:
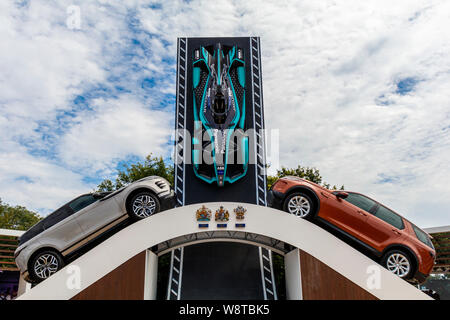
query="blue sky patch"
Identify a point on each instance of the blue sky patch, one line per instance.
(406, 85)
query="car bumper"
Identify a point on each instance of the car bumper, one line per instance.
(275, 199)
(21, 260)
(26, 276)
(167, 200)
(420, 277)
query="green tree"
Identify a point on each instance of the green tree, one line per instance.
(309, 173)
(17, 218)
(151, 166)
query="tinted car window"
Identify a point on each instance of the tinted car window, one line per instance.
(82, 202)
(32, 232)
(57, 216)
(360, 201)
(390, 217)
(49, 221)
(422, 236)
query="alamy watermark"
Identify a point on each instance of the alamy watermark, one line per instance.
(235, 146)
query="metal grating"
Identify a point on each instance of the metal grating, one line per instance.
(180, 123)
(176, 263)
(175, 278)
(258, 119)
(176, 274)
(267, 276)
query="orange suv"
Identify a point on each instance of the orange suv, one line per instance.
(400, 246)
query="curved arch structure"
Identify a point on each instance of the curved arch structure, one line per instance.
(264, 221)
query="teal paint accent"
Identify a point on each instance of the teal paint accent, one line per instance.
(231, 129)
(196, 157)
(241, 125)
(202, 117)
(196, 74)
(195, 111)
(239, 61)
(241, 122)
(244, 146)
(239, 110)
(241, 76)
(203, 178)
(232, 52)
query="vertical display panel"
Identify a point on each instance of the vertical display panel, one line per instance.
(227, 107)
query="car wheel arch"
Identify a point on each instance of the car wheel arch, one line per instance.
(42, 249)
(405, 249)
(135, 192)
(307, 191)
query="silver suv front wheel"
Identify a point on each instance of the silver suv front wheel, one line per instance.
(45, 264)
(143, 205)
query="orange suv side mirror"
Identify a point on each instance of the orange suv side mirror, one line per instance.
(341, 194)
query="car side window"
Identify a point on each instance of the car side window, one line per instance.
(82, 202)
(360, 201)
(57, 216)
(390, 217)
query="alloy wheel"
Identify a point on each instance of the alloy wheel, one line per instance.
(46, 265)
(398, 264)
(299, 206)
(144, 206)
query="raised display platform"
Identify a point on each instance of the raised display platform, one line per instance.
(341, 273)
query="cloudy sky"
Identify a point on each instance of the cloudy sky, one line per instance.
(358, 89)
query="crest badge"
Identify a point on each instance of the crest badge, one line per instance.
(240, 215)
(222, 215)
(203, 214)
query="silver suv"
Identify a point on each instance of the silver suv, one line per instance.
(46, 246)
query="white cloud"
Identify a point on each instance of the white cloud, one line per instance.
(330, 74)
(37, 183)
(117, 128)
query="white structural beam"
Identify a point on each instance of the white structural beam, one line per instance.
(151, 275)
(293, 275)
(181, 221)
(11, 233)
(441, 229)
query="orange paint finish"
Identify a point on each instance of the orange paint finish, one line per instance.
(365, 226)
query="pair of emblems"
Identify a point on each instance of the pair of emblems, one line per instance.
(222, 215)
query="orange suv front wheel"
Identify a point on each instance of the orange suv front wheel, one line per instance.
(299, 204)
(399, 263)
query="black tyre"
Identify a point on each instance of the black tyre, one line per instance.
(399, 263)
(300, 204)
(143, 205)
(45, 264)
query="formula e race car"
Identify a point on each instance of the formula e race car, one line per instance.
(220, 146)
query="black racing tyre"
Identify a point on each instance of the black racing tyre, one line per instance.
(399, 263)
(143, 205)
(300, 204)
(44, 264)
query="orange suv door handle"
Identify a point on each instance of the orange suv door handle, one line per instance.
(396, 231)
(324, 194)
(362, 213)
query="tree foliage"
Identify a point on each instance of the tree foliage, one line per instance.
(151, 166)
(17, 218)
(309, 173)
(157, 166)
